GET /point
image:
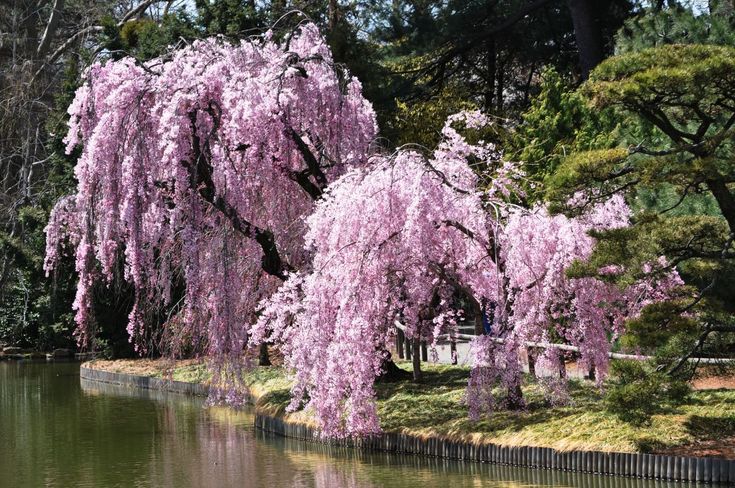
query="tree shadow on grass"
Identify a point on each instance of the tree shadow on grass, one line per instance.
(436, 404)
(274, 402)
(434, 381)
(707, 432)
(705, 427)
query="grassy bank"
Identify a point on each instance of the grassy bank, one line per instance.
(705, 425)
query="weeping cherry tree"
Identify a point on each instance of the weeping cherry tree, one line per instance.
(197, 171)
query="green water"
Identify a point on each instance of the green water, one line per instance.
(57, 431)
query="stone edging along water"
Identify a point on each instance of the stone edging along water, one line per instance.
(636, 465)
(144, 382)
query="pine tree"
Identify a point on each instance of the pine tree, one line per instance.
(682, 98)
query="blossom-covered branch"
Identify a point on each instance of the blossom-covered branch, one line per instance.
(186, 173)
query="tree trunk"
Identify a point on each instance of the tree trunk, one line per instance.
(453, 351)
(400, 340)
(50, 32)
(490, 70)
(724, 199)
(407, 343)
(499, 87)
(332, 14)
(395, 21)
(562, 368)
(390, 372)
(592, 373)
(531, 354)
(479, 326)
(424, 352)
(417, 376)
(263, 356)
(515, 398)
(588, 33)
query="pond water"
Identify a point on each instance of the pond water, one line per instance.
(58, 431)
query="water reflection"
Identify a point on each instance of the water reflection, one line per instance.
(55, 431)
(383, 469)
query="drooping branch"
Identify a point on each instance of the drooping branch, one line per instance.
(697, 346)
(488, 245)
(443, 177)
(658, 118)
(200, 172)
(302, 179)
(458, 225)
(312, 167)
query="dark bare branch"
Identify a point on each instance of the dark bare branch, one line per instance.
(312, 165)
(138, 10)
(93, 29)
(200, 171)
(51, 26)
(440, 64)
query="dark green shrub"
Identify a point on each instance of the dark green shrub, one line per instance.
(638, 391)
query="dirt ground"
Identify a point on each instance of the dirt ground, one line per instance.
(714, 383)
(721, 448)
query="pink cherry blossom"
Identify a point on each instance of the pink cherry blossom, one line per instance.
(197, 172)
(236, 189)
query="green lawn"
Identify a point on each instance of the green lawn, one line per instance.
(435, 407)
